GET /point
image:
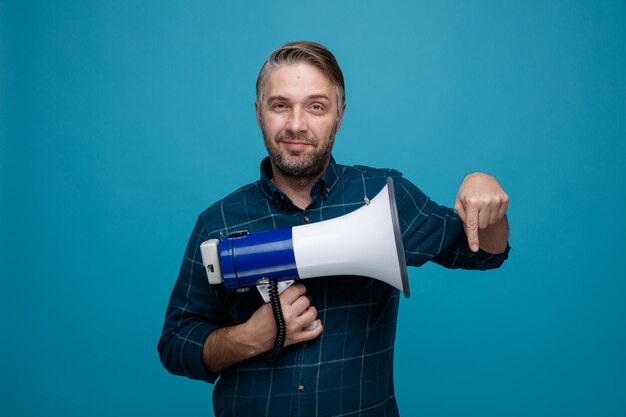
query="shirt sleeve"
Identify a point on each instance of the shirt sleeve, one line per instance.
(431, 232)
(193, 312)
(459, 255)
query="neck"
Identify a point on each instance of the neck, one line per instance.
(298, 189)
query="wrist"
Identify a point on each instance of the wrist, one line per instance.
(247, 340)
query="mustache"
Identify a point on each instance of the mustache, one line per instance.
(299, 137)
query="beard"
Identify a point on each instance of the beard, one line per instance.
(310, 165)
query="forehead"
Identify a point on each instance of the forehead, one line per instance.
(296, 80)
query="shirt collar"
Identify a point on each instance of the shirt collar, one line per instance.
(323, 186)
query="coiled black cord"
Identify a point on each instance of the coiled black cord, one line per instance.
(281, 329)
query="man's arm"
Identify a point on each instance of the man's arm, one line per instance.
(227, 346)
(481, 203)
(196, 340)
(431, 232)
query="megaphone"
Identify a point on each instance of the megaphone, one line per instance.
(365, 242)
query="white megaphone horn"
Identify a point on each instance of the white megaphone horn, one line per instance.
(366, 242)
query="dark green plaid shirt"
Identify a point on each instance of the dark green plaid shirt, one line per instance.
(346, 371)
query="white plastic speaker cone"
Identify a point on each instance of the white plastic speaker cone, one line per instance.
(366, 242)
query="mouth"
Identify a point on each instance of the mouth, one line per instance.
(296, 142)
(296, 145)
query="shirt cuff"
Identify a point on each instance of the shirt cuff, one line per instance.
(483, 259)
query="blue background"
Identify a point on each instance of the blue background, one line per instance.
(120, 121)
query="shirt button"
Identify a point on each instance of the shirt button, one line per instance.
(301, 388)
(306, 218)
(305, 344)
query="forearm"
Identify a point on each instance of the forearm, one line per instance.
(495, 237)
(227, 346)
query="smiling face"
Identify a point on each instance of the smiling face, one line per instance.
(298, 117)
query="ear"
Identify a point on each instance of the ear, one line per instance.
(340, 118)
(257, 111)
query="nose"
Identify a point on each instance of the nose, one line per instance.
(296, 122)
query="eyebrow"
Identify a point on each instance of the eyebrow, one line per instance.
(319, 96)
(311, 97)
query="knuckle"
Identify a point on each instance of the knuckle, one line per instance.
(472, 224)
(301, 304)
(299, 287)
(288, 315)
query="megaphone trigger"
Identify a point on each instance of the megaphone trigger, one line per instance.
(311, 326)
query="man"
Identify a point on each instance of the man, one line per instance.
(344, 365)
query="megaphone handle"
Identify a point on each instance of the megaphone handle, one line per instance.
(281, 329)
(264, 288)
(282, 286)
(270, 290)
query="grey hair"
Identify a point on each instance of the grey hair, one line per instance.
(308, 52)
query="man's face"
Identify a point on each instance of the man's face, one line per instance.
(299, 118)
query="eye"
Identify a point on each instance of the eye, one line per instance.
(278, 106)
(317, 107)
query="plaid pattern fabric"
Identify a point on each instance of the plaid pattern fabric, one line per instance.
(348, 370)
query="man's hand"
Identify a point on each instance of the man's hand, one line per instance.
(226, 346)
(298, 314)
(482, 203)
